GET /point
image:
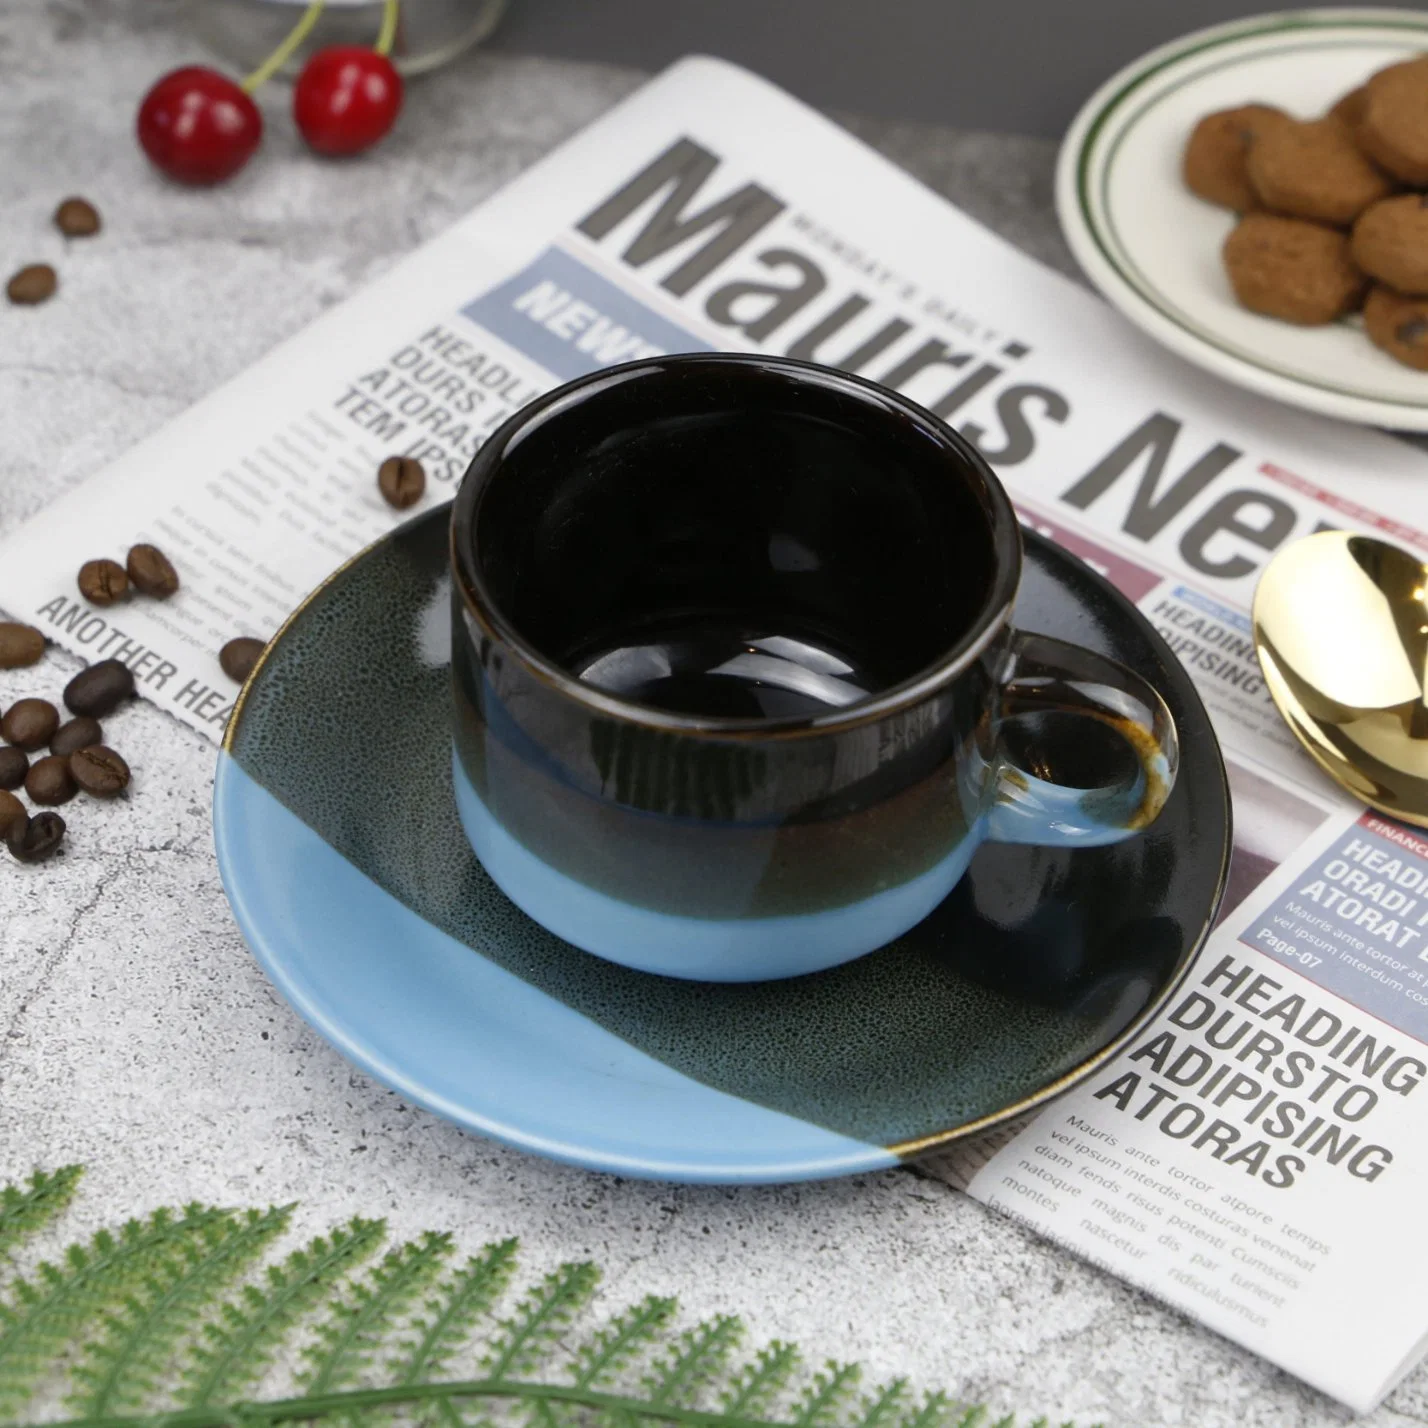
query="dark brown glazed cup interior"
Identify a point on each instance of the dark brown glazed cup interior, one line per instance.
(770, 496)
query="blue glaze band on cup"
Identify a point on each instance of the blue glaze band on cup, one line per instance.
(736, 690)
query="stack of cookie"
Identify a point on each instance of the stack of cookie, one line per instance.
(1334, 214)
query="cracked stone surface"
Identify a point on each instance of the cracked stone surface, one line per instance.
(138, 1035)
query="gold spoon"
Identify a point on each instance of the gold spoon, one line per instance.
(1341, 627)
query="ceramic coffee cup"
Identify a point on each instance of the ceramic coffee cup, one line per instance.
(737, 693)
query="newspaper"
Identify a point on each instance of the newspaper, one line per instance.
(1255, 1157)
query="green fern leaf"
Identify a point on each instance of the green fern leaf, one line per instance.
(607, 1353)
(531, 1333)
(543, 1414)
(140, 1341)
(758, 1384)
(696, 1361)
(601, 1359)
(932, 1412)
(133, 1302)
(826, 1397)
(360, 1319)
(448, 1319)
(449, 1416)
(884, 1405)
(24, 1212)
(238, 1347)
(60, 1306)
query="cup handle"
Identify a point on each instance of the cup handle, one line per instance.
(1044, 675)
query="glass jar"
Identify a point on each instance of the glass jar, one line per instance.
(429, 32)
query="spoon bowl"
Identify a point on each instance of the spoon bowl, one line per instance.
(1341, 629)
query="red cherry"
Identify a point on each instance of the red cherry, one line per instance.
(198, 126)
(346, 98)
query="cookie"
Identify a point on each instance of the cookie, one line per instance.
(1394, 129)
(1313, 169)
(1399, 325)
(1350, 109)
(1214, 161)
(1390, 242)
(1291, 269)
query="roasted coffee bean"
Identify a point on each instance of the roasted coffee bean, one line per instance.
(30, 724)
(239, 656)
(14, 765)
(102, 582)
(20, 645)
(36, 283)
(151, 572)
(100, 689)
(77, 218)
(77, 734)
(50, 780)
(32, 839)
(99, 771)
(401, 480)
(11, 811)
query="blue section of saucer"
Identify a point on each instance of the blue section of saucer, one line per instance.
(453, 1032)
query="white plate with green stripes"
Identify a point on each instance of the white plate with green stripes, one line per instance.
(1153, 248)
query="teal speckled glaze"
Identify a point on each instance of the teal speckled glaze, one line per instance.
(1036, 967)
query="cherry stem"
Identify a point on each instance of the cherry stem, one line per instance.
(391, 13)
(287, 49)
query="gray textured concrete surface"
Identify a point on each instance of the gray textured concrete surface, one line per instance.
(137, 1035)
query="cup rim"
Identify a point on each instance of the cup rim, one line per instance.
(992, 617)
